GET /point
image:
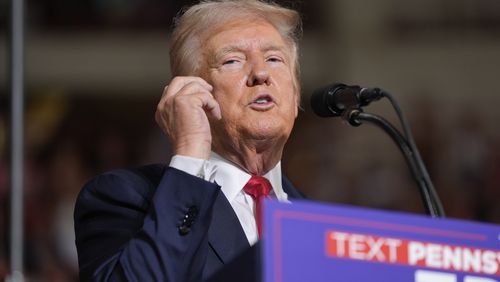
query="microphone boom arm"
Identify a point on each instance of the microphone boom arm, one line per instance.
(346, 101)
(430, 199)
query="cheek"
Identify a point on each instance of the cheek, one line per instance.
(227, 83)
(228, 101)
(296, 105)
(284, 77)
(288, 89)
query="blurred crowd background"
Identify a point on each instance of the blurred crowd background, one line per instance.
(95, 70)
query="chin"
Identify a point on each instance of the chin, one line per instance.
(267, 130)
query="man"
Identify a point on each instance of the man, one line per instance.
(228, 113)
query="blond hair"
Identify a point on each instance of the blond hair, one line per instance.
(193, 25)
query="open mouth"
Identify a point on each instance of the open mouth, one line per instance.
(263, 100)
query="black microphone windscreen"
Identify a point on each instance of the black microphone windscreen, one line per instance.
(319, 100)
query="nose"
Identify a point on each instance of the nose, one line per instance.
(259, 74)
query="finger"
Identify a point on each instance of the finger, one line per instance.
(192, 88)
(189, 85)
(204, 100)
(162, 120)
(201, 99)
(213, 108)
(181, 82)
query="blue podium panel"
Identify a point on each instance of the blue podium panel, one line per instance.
(312, 242)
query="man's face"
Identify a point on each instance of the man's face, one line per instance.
(251, 69)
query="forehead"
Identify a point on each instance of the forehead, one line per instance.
(244, 34)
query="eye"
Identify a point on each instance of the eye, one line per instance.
(274, 59)
(230, 62)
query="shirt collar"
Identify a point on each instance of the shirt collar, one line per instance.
(232, 179)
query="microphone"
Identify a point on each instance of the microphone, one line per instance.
(346, 101)
(334, 99)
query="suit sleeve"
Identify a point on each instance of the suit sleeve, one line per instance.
(128, 230)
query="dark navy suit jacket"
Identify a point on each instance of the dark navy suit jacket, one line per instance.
(127, 226)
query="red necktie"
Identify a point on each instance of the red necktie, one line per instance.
(258, 187)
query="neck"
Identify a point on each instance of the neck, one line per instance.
(256, 157)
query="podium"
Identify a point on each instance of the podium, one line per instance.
(313, 242)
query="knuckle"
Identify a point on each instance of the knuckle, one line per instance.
(181, 99)
(160, 107)
(176, 79)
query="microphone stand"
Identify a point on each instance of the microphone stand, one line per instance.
(418, 158)
(430, 199)
(355, 116)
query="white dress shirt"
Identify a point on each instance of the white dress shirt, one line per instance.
(232, 179)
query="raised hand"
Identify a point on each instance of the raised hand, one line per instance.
(183, 114)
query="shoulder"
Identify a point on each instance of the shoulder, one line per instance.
(290, 190)
(133, 186)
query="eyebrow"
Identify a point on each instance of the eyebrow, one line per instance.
(241, 48)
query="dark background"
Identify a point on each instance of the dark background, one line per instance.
(96, 69)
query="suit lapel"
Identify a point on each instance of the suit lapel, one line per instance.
(290, 190)
(225, 234)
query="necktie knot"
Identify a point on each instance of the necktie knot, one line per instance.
(258, 187)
